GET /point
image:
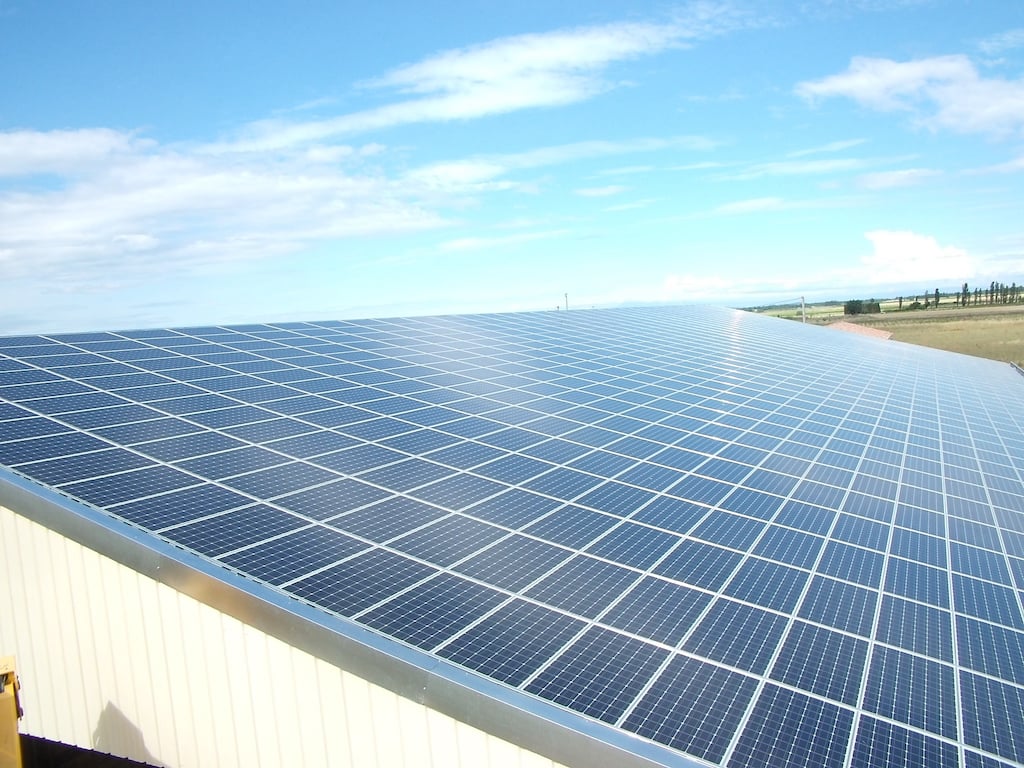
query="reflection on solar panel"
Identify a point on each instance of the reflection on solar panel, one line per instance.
(744, 540)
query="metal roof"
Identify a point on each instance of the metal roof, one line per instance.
(685, 532)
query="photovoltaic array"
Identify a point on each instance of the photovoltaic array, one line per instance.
(752, 541)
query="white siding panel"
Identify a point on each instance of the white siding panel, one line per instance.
(113, 660)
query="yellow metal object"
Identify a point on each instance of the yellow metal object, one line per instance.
(10, 711)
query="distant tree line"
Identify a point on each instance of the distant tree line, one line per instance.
(996, 293)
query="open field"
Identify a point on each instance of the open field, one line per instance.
(996, 332)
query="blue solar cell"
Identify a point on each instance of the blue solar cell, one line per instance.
(993, 715)
(991, 649)
(178, 507)
(694, 707)
(327, 501)
(448, 540)
(49, 389)
(787, 729)
(115, 489)
(71, 468)
(284, 558)
(788, 546)
(230, 531)
(634, 545)
(188, 446)
(602, 463)
(912, 690)
(806, 517)
(738, 635)
(406, 474)
(820, 661)
(20, 429)
(433, 611)
(387, 519)
(981, 563)
(769, 584)
(729, 530)
(512, 643)
(513, 508)
(699, 564)
(360, 582)
(916, 581)
(227, 463)
(840, 605)
(916, 627)
(514, 563)
(600, 674)
(279, 480)
(986, 601)
(657, 609)
(458, 491)
(843, 561)
(229, 417)
(883, 745)
(584, 586)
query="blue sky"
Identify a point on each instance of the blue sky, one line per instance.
(190, 163)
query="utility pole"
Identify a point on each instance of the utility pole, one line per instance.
(567, 302)
(803, 309)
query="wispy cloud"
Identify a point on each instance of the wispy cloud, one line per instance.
(1016, 165)
(907, 177)
(131, 206)
(940, 92)
(795, 168)
(632, 206)
(487, 168)
(628, 170)
(1002, 42)
(608, 191)
(833, 146)
(754, 205)
(505, 75)
(67, 153)
(504, 241)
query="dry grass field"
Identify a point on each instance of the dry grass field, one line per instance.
(996, 333)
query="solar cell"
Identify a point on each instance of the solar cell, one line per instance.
(721, 541)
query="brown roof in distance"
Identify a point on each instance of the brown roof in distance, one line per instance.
(863, 330)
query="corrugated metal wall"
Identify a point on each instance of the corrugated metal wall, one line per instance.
(115, 661)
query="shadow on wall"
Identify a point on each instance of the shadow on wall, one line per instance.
(115, 734)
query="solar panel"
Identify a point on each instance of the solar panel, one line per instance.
(730, 537)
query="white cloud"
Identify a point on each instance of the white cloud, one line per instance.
(1016, 165)
(796, 168)
(942, 91)
(125, 205)
(908, 257)
(907, 177)
(636, 204)
(754, 205)
(486, 168)
(834, 146)
(607, 191)
(897, 258)
(505, 241)
(1002, 42)
(63, 152)
(508, 74)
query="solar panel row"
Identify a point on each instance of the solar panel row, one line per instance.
(750, 541)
